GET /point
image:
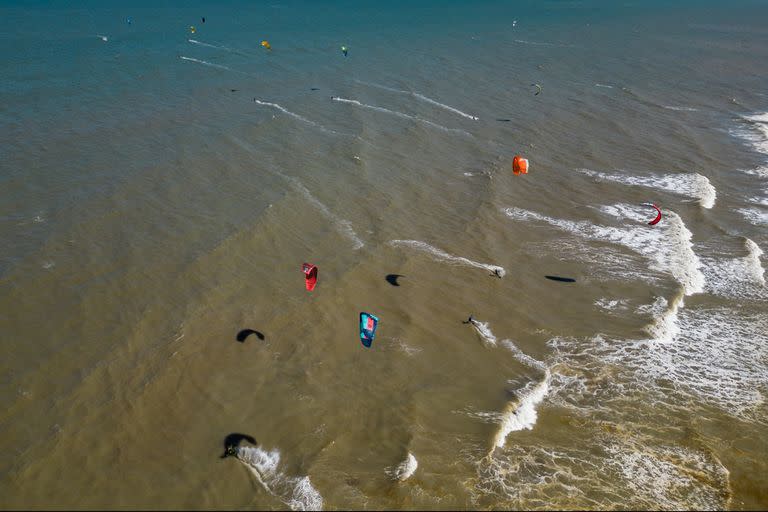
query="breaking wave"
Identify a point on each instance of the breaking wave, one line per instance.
(669, 249)
(296, 492)
(404, 470)
(691, 185)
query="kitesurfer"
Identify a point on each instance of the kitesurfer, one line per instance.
(469, 320)
(497, 272)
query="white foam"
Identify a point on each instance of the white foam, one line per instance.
(616, 472)
(691, 185)
(404, 470)
(295, 116)
(218, 47)
(522, 414)
(535, 43)
(400, 114)
(740, 277)
(484, 330)
(444, 256)
(669, 248)
(211, 64)
(446, 107)
(718, 357)
(604, 86)
(422, 98)
(665, 326)
(343, 226)
(296, 492)
(681, 109)
(611, 305)
(103, 38)
(755, 216)
(755, 132)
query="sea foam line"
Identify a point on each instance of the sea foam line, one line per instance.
(401, 115)
(296, 492)
(441, 255)
(422, 98)
(692, 185)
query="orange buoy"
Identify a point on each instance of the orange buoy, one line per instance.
(519, 165)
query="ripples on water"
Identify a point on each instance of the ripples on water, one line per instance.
(160, 193)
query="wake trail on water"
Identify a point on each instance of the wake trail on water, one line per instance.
(401, 115)
(213, 65)
(294, 115)
(441, 255)
(295, 492)
(691, 185)
(422, 98)
(342, 226)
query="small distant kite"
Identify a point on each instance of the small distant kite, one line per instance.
(519, 165)
(658, 213)
(368, 323)
(310, 276)
(538, 89)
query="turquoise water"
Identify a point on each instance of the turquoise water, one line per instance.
(159, 190)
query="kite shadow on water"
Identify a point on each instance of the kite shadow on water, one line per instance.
(392, 279)
(561, 279)
(233, 440)
(242, 335)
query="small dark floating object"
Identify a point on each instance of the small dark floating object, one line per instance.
(561, 279)
(392, 279)
(233, 90)
(242, 335)
(314, 89)
(504, 120)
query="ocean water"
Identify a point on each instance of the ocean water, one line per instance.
(160, 190)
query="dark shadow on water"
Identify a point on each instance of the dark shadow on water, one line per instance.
(392, 279)
(242, 335)
(504, 120)
(233, 440)
(561, 279)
